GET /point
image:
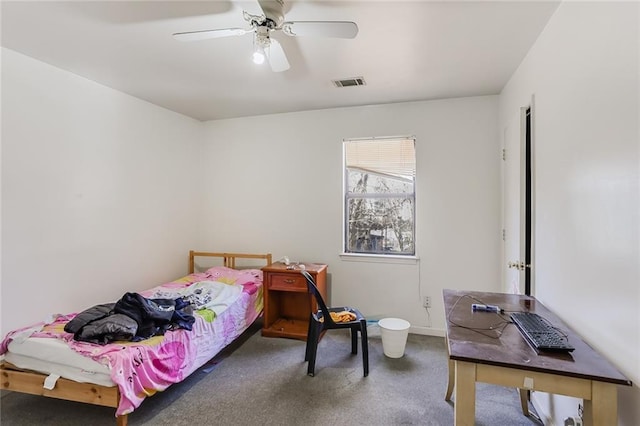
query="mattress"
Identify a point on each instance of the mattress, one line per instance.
(55, 357)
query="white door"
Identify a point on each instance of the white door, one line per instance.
(513, 155)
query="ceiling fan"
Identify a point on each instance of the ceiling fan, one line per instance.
(272, 19)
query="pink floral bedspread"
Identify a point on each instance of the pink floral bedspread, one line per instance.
(141, 369)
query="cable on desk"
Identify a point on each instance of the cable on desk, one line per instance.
(497, 327)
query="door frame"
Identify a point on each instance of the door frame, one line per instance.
(526, 202)
(530, 197)
(527, 140)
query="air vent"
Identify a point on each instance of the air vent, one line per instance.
(348, 82)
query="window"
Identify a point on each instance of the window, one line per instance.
(379, 196)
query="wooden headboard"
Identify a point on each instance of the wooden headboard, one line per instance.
(229, 259)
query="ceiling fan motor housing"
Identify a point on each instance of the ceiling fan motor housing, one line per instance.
(274, 11)
(262, 37)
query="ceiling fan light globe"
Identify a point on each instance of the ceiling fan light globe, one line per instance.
(258, 58)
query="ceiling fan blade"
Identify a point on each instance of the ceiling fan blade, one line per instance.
(252, 7)
(207, 34)
(277, 57)
(339, 29)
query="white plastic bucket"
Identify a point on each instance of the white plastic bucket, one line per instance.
(394, 332)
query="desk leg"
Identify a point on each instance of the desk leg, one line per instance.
(452, 373)
(602, 409)
(465, 384)
(452, 377)
(524, 401)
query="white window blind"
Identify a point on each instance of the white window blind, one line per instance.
(393, 157)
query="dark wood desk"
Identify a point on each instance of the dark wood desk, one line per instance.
(484, 347)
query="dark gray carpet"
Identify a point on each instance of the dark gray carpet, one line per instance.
(263, 381)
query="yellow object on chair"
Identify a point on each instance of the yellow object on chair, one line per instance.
(342, 316)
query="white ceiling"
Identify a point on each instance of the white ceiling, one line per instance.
(406, 51)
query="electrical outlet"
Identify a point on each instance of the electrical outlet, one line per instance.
(426, 302)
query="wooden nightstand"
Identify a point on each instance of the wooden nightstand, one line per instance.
(287, 302)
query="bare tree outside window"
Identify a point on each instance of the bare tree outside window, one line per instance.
(380, 196)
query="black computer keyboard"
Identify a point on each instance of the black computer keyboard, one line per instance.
(540, 334)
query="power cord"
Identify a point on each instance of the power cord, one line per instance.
(497, 327)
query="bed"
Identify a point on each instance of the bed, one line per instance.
(45, 360)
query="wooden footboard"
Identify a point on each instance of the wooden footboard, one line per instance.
(31, 382)
(25, 381)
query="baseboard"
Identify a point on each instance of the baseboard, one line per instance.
(374, 330)
(426, 331)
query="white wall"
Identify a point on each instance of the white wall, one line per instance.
(583, 71)
(102, 192)
(99, 192)
(275, 184)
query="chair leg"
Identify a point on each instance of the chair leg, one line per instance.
(365, 347)
(312, 337)
(307, 349)
(354, 339)
(313, 350)
(309, 337)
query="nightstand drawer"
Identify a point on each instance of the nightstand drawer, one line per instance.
(287, 282)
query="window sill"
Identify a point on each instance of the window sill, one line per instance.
(380, 258)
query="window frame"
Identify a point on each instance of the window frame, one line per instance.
(347, 196)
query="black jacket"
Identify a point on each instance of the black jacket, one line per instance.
(155, 316)
(132, 318)
(99, 324)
